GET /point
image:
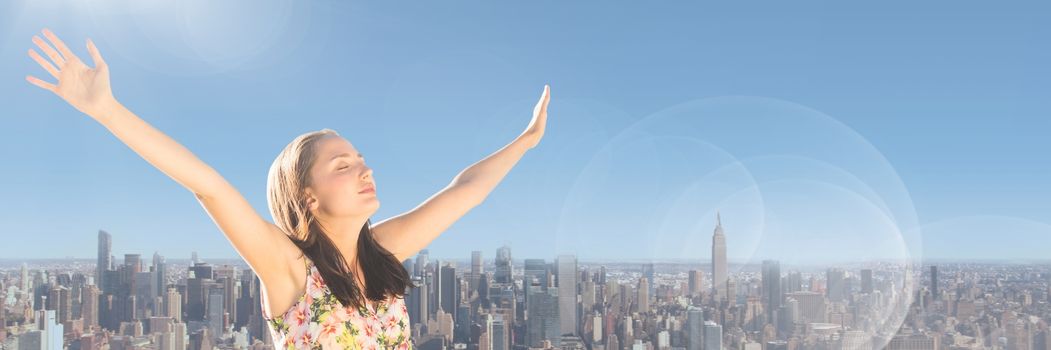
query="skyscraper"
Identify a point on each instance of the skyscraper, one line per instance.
(567, 293)
(503, 265)
(934, 282)
(836, 284)
(160, 270)
(421, 261)
(104, 250)
(718, 260)
(713, 336)
(866, 281)
(695, 282)
(695, 333)
(648, 271)
(449, 291)
(771, 288)
(476, 262)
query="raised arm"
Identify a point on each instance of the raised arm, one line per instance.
(406, 234)
(87, 89)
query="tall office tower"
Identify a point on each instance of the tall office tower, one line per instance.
(537, 268)
(866, 281)
(649, 272)
(771, 288)
(795, 282)
(474, 279)
(196, 287)
(89, 307)
(193, 258)
(26, 285)
(500, 338)
(410, 266)
(696, 284)
(422, 258)
(104, 261)
(789, 316)
(229, 284)
(418, 301)
(247, 302)
(215, 311)
(450, 291)
(627, 331)
(173, 304)
(695, 324)
(52, 330)
(434, 279)
(934, 282)
(587, 297)
(132, 264)
(812, 307)
(476, 263)
(836, 284)
(596, 333)
(567, 293)
(160, 270)
(534, 278)
(132, 268)
(719, 260)
(61, 300)
(644, 295)
(503, 265)
(713, 336)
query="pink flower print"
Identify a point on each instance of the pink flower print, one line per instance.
(339, 314)
(316, 286)
(329, 333)
(298, 334)
(370, 329)
(307, 335)
(392, 333)
(298, 315)
(358, 323)
(290, 341)
(369, 343)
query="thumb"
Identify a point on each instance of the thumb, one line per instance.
(95, 56)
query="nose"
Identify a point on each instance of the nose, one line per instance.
(367, 173)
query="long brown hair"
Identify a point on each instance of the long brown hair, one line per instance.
(286, 183)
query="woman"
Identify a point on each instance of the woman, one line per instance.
(336, 279)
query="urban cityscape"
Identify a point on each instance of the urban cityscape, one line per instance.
(504, 303)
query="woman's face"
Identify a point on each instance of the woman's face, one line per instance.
(339, 174)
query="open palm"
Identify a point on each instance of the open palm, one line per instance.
(86, 89)
(535, 131)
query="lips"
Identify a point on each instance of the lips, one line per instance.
(368, 189)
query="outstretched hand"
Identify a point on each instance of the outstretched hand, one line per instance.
(86, 88)
(535, 131)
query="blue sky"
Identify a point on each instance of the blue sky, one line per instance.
(820, 130)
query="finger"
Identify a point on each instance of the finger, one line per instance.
(44, 63)
(541, 106)
(547, 96)
(61, 46)
(59, 61)
(42, 84)
(95, 56)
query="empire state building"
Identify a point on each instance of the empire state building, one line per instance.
(718, 260)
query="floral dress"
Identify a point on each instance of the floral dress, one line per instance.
(318, 321)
